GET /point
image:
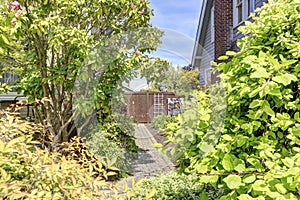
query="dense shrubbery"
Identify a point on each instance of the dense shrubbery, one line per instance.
(256, 154)
(121, 132)
(108, 152)
(175, 186)
(29, 171)
(160, 121)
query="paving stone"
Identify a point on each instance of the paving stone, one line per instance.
(150, 161)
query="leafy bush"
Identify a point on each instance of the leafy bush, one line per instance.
(120, 131)
(175, 186)
(257, 155)
(160, 121)
(27, 171)
(108, 152)
(186, 129)
(77, 150)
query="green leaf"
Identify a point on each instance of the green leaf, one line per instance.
(227, 137)
(296, 116)
(288, 162)
(268, 110)
(260, 73)
(227, 163)
(280, 188)
(275, 92)
(5, 40)
(255, 103)
(249, 59)
(245, 197)
(203, 195)
(255, 92)
(233, 181)
(241, 140)
(157, 145)
(260, 185)
(223, 58)
(209, 179)
(273, 61)
(250, 178)
(239, 165)
(255, 162)
(288, 63)
(231, 53)
(293, 171)
(285, 79)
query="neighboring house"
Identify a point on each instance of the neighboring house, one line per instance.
(217, 32)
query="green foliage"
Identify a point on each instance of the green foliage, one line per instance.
(160, 121)
(257, 155)
(162, 76)
(188, 80)
(154, 70)
(30, 172)
(107, 152)
(77, 150)
(46, 43)
(175, 186)
(120, 132)
(194, 132)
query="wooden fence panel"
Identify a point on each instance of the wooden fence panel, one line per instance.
(141, 105)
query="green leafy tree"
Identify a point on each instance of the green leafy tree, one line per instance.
(163, 77)
(155, 70)
(46, 42)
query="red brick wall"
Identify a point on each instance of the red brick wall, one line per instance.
(223, 28)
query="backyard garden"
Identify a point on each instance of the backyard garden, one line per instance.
(236, 139)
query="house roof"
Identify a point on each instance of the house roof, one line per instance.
(202, 24)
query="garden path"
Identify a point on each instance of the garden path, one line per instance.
(150, 161)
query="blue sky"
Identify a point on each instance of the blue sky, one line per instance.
(179, 20)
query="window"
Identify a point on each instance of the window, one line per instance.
(242, 10)
(212, 24)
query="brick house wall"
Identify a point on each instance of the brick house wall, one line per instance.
(223, 26)
(223, 29)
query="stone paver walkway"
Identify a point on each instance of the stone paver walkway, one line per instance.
(150, 161)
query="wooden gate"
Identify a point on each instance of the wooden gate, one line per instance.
(144, 106)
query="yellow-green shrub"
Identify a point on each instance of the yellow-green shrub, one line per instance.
(30, 172)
